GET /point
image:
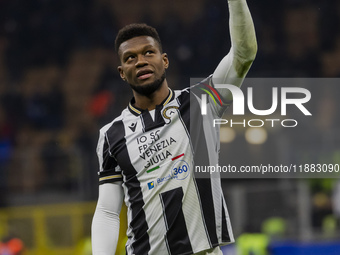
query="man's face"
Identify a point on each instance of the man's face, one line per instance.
(142, 63)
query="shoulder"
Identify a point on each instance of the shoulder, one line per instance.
(124, 114)
(197, 87)
(195, 83)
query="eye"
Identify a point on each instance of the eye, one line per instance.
(129, 57)
(149, 52)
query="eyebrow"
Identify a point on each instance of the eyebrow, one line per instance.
(142, 49)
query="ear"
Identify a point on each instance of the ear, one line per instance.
(121, 73)
(165, 60)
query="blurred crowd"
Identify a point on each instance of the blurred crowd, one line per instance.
(59, 83)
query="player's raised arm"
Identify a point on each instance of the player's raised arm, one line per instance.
(234, 67)
(105, 224)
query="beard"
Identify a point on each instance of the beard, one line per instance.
(148, 89)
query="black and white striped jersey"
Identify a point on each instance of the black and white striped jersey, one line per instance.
(153, 153)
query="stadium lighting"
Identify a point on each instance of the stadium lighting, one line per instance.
(227, 134)
(256, 135)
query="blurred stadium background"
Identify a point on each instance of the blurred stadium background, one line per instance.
(59, 85)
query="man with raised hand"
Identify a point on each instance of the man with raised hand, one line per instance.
(148, 154)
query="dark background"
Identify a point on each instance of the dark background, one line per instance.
(59, 84)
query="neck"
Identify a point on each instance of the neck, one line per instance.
(150, 102)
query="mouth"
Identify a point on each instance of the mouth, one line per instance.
(144, 74)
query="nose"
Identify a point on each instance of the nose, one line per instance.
(141, 61)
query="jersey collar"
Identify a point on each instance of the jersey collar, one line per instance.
(137, 111)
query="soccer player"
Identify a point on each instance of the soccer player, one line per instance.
(147, 155)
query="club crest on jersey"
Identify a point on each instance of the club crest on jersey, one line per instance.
(169, 111)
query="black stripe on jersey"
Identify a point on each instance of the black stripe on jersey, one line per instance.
(207, 205)
(141, 245)
(184, 107)
(109, 164)
(149, 124)
(177, 237)
(194, 122)
(225, 232)
(142, 121)
(201, 158)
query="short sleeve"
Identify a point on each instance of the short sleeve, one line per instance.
(109, 170)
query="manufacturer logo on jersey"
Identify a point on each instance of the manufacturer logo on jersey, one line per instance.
(169, 111)
(133, 126)
(151, 185)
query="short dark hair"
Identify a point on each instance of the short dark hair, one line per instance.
(134, 30)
